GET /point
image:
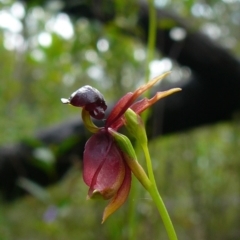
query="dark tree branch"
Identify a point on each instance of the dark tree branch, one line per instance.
(211, 96)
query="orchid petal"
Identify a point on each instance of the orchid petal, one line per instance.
(126, 101)
(149, 84)
(119, 109)
(145, 103)
(95, 152)
(120, 197)
(103, 166)
(142, 105)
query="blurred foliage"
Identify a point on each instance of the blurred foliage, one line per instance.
(198, 177)
(197, 171)
(43, 62)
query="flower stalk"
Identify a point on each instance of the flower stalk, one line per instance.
(153, 191)
(136, 128)
(109, 158)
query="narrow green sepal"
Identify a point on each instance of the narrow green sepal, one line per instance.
(130, 157)
(135, 126)
(88, 122)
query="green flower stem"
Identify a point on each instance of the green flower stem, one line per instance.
(148, 162)
(132, 216)
(153, 191)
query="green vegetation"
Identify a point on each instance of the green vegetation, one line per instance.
(197, 172)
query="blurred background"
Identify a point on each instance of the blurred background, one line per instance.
(47, 52)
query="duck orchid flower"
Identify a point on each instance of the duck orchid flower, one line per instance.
(107, 166)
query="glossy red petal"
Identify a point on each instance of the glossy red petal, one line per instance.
(145, 103)
(119, 109)
(120, 197)
(114, 119)
(150, 84)
(95, 152)
(103, 165)
(118, 123)
(142, 105)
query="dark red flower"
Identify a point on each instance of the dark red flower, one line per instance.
(105, 169)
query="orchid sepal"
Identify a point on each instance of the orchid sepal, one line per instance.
(105, 171)
(143, 104)
(121, 196)
(127, 100)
